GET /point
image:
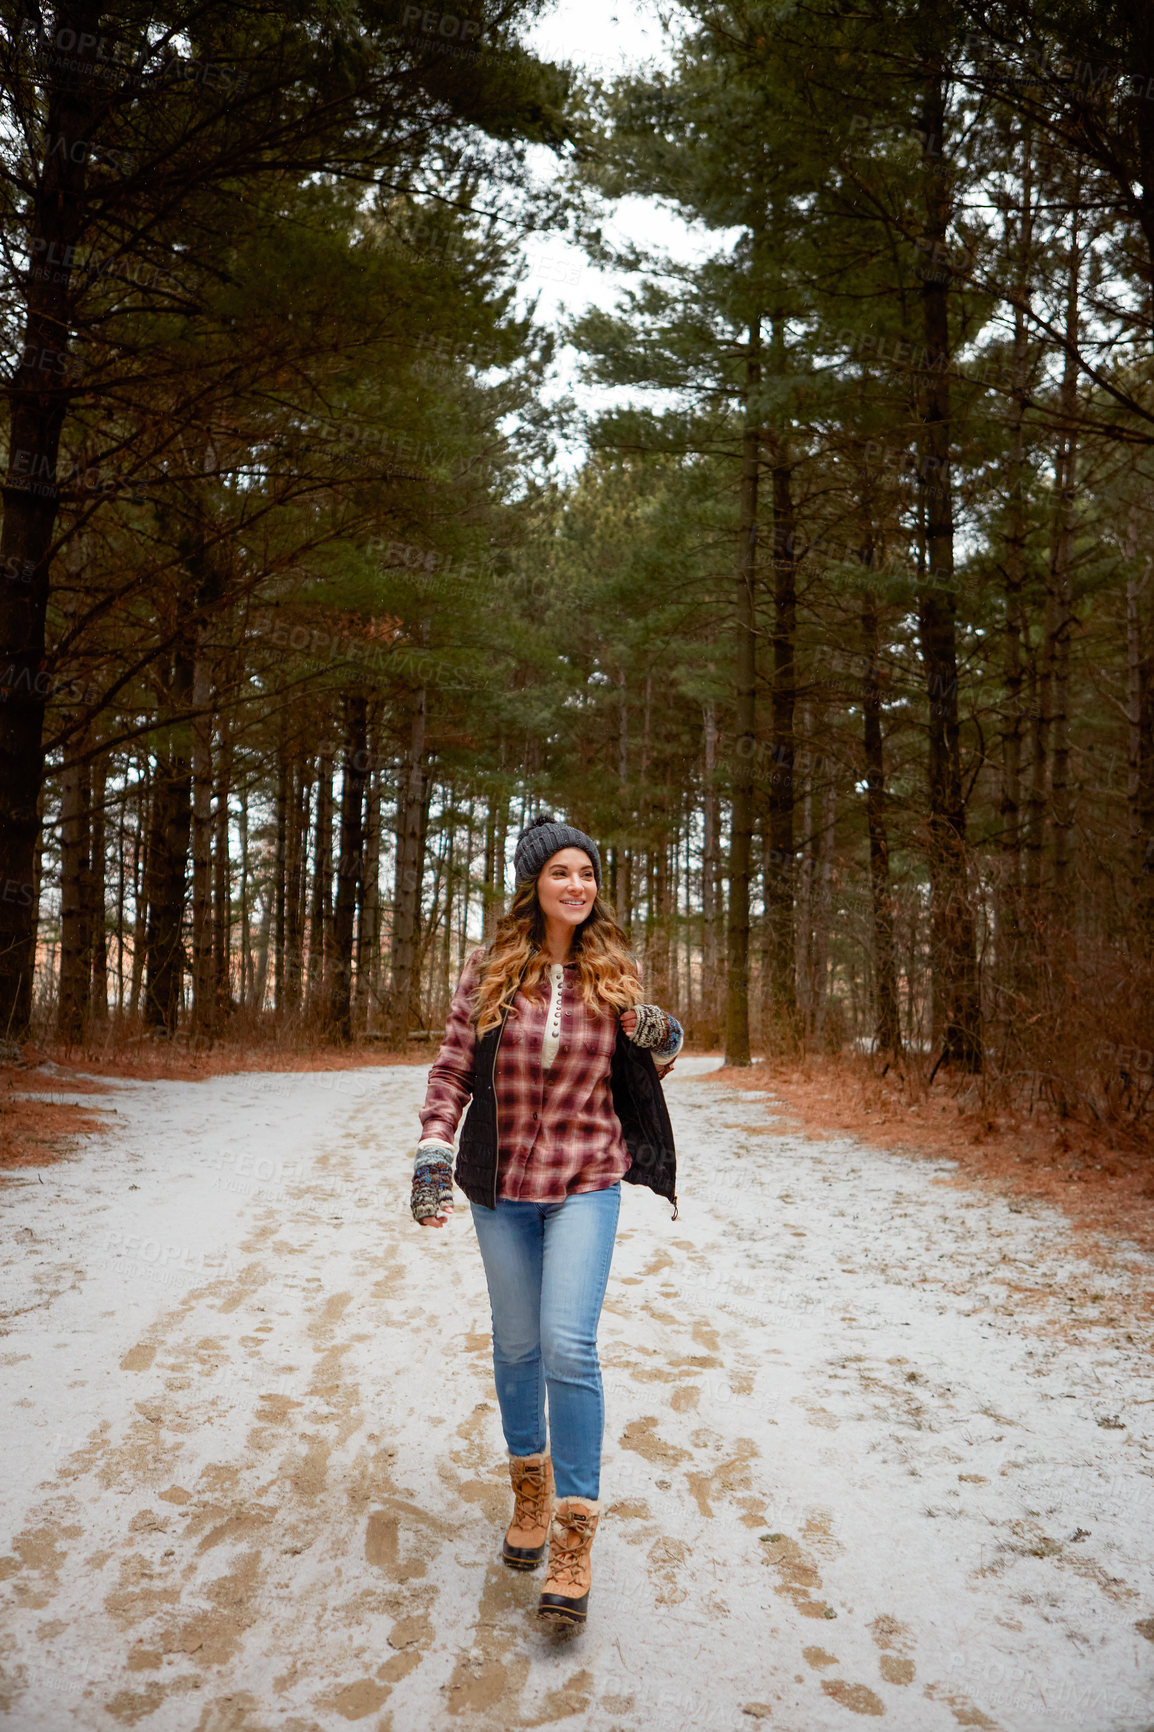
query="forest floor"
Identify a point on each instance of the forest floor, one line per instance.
(254, 1472)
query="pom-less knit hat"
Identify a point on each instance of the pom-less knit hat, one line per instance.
(543, 838)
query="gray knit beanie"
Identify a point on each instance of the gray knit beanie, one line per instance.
(543, 838)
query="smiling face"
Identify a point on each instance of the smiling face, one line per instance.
(566, 887)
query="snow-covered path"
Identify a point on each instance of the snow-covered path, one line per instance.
(876, 1445)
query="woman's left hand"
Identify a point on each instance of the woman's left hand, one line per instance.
(629, 1022)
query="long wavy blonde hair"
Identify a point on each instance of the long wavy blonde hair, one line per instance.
(517, 960)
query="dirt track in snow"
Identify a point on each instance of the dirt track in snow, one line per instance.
(878, 1447)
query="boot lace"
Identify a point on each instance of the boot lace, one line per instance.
(531, 1499)
(568, 1551)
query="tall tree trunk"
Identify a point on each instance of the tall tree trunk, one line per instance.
(139, 884)
(1060, 606)
(75, 914)
(1141, 60)
(1010, 933)
(1134, 691)
(623, 859)
(1010, 923)
(1140, 753)
(258, 966)
(643, 815)
(712, 911)
(625, 888)
(500, 846)
(247, 982)
(350, 867)
(203, 997)
(888, 1027)
(38, 397)
(441, 997)
(1144, 808)
(168, 852)
(280, 859)
(368, 911)
(410, 871)
(75, 982)
(686, 945)
(661, 922)
(466, 886)
(222, 881)
(121, 906)
(954, 939)
(296, 857)
(823, 902)
(97, 913)
(1033, 833)
(488, 871)
(427, 930)
(764, 1032)
(682, 983)
(803, 948)
(422, 854)
(301, 878)
(320, 919)
(782, 949)
(745, 724)
(496, 836)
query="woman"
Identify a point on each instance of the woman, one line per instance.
(547, 1040)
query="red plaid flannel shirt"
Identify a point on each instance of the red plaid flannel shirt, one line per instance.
(557, 1132)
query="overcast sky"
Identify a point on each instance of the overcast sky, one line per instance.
(606, 38)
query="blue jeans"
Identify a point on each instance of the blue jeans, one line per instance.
(547, 1265)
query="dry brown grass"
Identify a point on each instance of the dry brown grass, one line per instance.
(35, 1133)
(181, 1061)
(1103, 1183)
(39, 1132)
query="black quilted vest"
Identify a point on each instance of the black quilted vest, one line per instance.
(638, 1102)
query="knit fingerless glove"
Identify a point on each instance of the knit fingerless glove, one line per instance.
(658, 1031)
(432, 1185)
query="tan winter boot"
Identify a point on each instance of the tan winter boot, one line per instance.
(532, 1477)
(565, 1595)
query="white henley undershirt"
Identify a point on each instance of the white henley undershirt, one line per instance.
(551, 1038)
